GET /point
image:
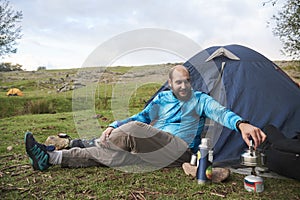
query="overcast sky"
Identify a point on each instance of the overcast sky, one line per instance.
(63, 33)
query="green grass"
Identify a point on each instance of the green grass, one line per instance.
(33, 104)
(19, 181)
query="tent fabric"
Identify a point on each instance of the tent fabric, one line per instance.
(251, 86)
(14, 92)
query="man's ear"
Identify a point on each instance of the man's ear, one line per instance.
(169, 82)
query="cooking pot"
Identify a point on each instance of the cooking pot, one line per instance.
(252, 158)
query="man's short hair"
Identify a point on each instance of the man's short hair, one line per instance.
(177, 67)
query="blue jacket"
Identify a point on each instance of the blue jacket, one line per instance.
(184, 119)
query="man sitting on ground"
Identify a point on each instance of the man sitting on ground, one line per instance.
(177, 119)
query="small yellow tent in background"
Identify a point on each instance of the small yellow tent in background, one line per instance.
(14, 92)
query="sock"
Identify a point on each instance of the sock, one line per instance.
(55, 157)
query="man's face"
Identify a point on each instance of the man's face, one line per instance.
(180, 85)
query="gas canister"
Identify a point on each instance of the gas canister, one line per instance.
(254, 183)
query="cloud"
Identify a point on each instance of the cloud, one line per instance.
(63, 33)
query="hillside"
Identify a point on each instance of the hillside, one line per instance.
(68, 79)
(56, 80)
(292, 68)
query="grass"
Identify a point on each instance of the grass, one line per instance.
(19, 181)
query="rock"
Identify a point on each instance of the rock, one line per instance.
(9, 148)
(5, 87)
(97, 116)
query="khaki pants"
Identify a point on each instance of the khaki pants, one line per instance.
(134, 143)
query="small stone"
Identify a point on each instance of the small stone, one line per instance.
(9, 148)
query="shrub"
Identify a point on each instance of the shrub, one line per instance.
(40, 106)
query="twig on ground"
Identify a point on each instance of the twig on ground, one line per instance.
(133, 195)
(17, 173)
(5, 156)
(138, 195)
(217, 194)
(199, 192)
(34, 196)
(9, 188)
(28, 175)
(18, 165)
(143, 192)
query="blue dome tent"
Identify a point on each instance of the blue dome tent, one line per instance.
(249, 84)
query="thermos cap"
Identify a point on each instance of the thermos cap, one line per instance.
(205, 143)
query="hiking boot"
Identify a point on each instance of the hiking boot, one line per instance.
(38, 156)
(218, 174)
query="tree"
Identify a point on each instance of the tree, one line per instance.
(7, 67)
(40, 68)
(288, 28)
(10, 31)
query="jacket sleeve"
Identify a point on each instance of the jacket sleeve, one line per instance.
(147, 115)
(215, 111)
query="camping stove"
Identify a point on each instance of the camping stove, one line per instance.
(252, 158)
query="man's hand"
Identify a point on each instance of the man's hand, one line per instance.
(257, 134)
(108, 131)
(106, 134)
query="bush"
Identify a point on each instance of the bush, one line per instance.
(40, 106)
